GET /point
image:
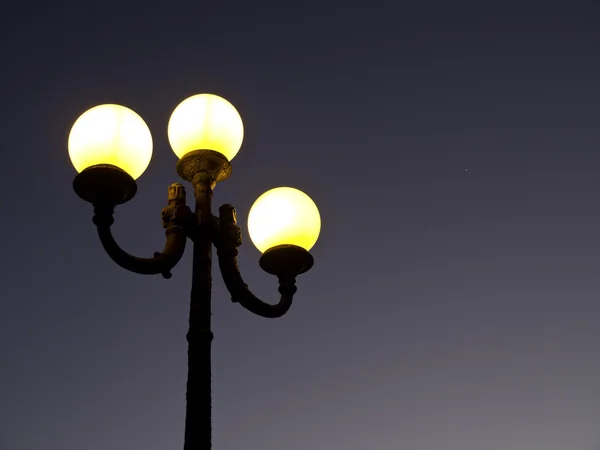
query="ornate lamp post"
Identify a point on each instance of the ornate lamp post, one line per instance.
(111, 146)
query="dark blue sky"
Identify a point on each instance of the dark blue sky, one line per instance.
(448, 309)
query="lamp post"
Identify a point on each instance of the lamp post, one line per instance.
(110, 146)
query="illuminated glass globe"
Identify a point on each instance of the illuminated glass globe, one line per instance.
(111, 134)
(281, 216)
(206, 122)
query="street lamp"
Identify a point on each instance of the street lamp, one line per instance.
(111, 146)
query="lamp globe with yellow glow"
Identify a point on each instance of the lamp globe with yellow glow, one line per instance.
(111, 134)
(206, 122)
(284, 216)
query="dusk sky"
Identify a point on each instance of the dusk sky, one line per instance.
(453, 150)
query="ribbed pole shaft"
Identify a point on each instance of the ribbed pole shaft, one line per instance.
(198, 428)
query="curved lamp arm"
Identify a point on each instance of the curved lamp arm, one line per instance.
(227, 239)
(175, 219)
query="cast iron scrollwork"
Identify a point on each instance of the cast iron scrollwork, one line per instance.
(227, 239)
(176, 217)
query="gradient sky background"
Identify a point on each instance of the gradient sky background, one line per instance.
(452, 148)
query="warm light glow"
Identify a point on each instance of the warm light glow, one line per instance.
(281, 216)
(111, 134)
(206, 122)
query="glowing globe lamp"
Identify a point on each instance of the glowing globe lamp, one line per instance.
(111, 134)
(206, 122)
(284, 216)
